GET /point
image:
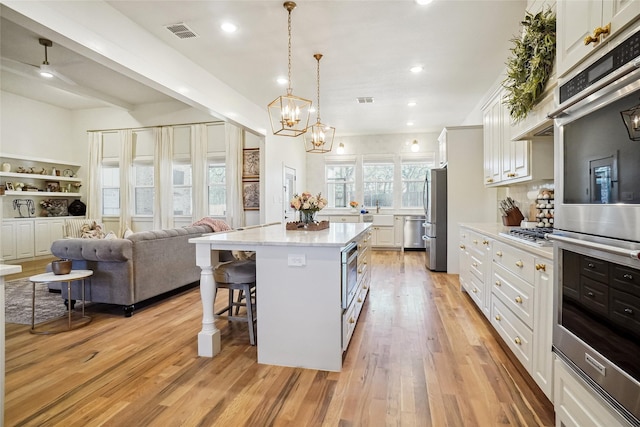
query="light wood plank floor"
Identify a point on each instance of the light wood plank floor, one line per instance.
(421, 355)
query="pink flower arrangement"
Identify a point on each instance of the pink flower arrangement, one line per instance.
(308, 202)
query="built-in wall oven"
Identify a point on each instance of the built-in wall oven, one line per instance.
(349, 273)
(597, 223)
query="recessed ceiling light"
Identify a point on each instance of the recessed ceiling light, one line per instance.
(423, 2)
(412, 103)
(416, 68)
(282, 80)
(409, 123)
(228, 27)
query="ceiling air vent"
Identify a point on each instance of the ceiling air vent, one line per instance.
(365, 100)
(181, 31)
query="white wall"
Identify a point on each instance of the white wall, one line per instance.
(33, 128)
(280, 151)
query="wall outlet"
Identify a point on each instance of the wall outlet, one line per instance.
(297, 260)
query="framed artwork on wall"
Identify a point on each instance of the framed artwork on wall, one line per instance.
(250, 163)
(251, 195)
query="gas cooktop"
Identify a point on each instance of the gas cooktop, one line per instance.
(531, 236)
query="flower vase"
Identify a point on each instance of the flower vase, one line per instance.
(307, 217)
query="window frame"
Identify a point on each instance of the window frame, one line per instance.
(353, 183)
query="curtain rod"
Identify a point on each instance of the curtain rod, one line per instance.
(156, 126)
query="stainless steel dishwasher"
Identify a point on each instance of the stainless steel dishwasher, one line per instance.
(413, 232)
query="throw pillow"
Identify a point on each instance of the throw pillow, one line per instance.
(127, 233)
(110, 235)
(92, 231)
(73, 227)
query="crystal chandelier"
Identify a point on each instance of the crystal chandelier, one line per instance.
(319, 137)
(289, 114)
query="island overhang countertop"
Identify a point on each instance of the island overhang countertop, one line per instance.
(337, 235)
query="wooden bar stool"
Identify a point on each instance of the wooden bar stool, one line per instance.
(238, 276)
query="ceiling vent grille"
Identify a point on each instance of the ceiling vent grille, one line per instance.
(365, 100)
(181, 31)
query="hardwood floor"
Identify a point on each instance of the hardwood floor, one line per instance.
(421, 355)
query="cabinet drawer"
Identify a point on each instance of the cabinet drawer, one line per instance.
(477, 243)
(596, 269)
(514, 260)
(515, 293)
(625, 310)
(594, 295)
(475, 289)
(626, 279)
(349, 319)
(515, 334)
(477, 266)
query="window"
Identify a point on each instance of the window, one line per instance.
(110, 190)
(217, 189)
(340, 184)
(378, 184)
(144, 191)
(182, 204)
(413, 176)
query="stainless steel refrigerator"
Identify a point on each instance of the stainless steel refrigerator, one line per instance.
(435, 225)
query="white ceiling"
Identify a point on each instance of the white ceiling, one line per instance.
(368, 48)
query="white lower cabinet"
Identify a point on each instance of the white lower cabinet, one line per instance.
(514, 289)
(351, 314)
(475, 263)
(8, 239)
(29, 237)
(578, 406)
(24, 239)
(46, 231)
(383, 236)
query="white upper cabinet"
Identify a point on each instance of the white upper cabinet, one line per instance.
(584, 26)
(506, 161)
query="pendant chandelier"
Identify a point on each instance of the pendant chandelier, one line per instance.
(319, 137)
(631, 119)
(289, 114)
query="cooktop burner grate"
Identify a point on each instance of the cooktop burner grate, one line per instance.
(533, 236)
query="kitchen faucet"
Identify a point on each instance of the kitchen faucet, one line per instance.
(377, 206)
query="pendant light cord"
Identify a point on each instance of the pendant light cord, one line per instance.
(289, 90)
(318, 56)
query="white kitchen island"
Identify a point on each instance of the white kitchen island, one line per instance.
(300, 319)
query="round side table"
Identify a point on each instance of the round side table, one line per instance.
(50, 277)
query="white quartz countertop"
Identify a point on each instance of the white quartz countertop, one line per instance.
(6, 269)
(337, 235)
(493, 230)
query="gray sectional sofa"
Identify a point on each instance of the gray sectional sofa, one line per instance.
(127, 271)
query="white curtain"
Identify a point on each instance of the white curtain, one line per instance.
(94, 175)
(163, 178)
(199, 171)
(126, 179)
(234, 143)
